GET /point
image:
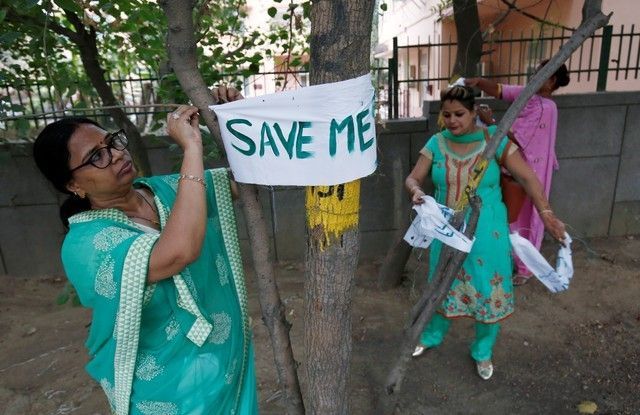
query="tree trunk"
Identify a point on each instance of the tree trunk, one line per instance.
(181, 45)
(451, 260)
(87, 44)
(392, 270)
(467, 23)
(340, 48)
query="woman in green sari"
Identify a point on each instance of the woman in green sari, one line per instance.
(158, 262)
(483, 290)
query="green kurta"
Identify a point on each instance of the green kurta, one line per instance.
(181, 345)
(483, 290)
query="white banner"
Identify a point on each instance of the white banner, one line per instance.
(432, 221)
(318, 135)
(555, 280)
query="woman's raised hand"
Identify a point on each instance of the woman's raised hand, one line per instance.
(223, 94)
(485, 113)
(472, 82)
(183, 126)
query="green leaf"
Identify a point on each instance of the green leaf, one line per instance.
(272, 11)
(9, 37)
(3, 13)
(306, 9)
(29, 4)
(69, 5)
(254, 68)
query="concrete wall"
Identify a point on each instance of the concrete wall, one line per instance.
(596, 191)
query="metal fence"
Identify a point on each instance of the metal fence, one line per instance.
(27, 106)
(605, 61)
(415, 73)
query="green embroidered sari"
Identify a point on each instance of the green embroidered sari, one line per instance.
(181, 345)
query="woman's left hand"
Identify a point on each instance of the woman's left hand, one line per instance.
(223, 94)
(553, 225)
(485, 113)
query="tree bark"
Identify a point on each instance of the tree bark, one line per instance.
(340, 47)
(392, 269)
(181, 45)
(451, 260)
(469, 49)
(88, 45)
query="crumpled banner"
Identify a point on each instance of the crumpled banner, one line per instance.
(432, 222)
(555, 280)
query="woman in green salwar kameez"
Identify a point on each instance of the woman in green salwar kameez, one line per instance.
(158, 262)
(483, 289)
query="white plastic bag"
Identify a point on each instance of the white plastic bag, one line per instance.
(432, 221)
(555, 280)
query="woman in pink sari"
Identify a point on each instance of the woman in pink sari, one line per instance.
(535, 133)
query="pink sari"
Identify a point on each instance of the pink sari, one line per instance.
(535, 131)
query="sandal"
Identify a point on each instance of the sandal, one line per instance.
(520, 279)
(420, 348)
(485, 369)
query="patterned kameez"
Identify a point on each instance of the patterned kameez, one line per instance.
(483, 289)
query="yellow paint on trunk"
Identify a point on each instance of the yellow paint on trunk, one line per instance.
(333, 209)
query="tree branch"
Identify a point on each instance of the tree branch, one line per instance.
(492, 26)
(513, 6)
(36, 23)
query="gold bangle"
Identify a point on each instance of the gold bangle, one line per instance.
(192, 178)
(543, 211)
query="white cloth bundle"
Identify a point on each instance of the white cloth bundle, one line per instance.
(432, 221)
(555, 280)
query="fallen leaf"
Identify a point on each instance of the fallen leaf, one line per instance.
(587, 407)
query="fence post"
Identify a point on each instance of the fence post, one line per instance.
(395, 77)
(605, 50)
(390, 88)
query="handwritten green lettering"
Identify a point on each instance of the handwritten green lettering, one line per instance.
(364, 145)
(336, 129)
(266, 132)
(303, 139)
(287, 143)
(245, 139)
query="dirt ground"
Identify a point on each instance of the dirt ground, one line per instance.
(556, 351)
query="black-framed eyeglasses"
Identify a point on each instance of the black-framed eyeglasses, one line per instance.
(102, 157)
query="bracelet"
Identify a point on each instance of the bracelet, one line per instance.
(192, 178)
(543, 211)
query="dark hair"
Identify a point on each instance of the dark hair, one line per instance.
(561, 74)
(462, 94)
(51, 154)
